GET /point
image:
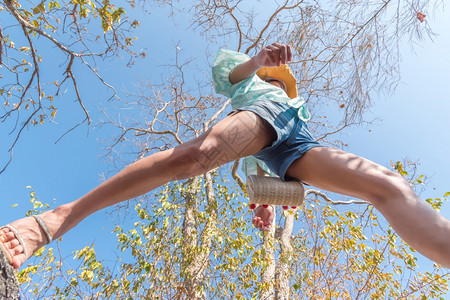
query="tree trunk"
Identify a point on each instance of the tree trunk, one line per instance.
(190, 238)
(268, 274)
(282, 270)
(196, 258)
(9, 287)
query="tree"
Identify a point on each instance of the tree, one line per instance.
(78, 32)
(330, 257)
(191, 240)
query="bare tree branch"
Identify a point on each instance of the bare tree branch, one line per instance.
(334, 202)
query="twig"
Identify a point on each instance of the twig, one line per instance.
(62, 273)
(1, 44)
(352, 38)
(236, 176)
(13, 10)
(326, 198)
(258, 39)
(216, 115)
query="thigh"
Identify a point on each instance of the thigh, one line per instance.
(341, 172)
(240, 134)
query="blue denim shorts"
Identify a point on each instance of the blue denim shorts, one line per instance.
(293, 137)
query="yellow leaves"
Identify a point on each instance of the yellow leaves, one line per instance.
(110, 15)
(398, 166)
(39, 252)
(39, 9)
(24, 49)
(436, 203)
(135, 23)
(52, 5)
(87, 275)
(37, 204)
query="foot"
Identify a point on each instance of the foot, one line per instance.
(32, 234)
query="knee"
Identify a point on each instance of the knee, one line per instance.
(390, 186)
(195, 158)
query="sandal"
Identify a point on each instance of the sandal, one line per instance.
(43, 226)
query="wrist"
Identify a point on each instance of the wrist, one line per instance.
(254, 64)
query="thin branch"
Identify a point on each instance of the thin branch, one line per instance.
(13, 10)
(326, 198)
(236, 176)
(1, 44)
(100, 78)
(62, 273)
(238, 26)
(353, 37)
(272, 17)
(79, 97)
(216, 115)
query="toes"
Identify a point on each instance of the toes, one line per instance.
(9, 241)
(18, 249)
(13, 247)
(12, 244)
(3, 236)
(7, 237)
(18, 260)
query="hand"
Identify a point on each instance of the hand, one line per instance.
(263, 217)
(273, 55)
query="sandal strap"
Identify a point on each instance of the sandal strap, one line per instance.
(44, 228)
(19, 238)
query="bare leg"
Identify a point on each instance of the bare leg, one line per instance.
(238, 135)
(415, 221)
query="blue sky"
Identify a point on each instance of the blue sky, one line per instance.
(413, 123)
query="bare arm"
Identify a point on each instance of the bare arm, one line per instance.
(243, 71)
(270, 56)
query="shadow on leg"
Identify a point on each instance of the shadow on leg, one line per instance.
(414, 220)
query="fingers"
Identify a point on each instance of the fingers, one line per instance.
(280, 53)
(273, 55)
(289, 53)
(259, 223)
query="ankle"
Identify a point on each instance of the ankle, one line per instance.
(59, 220)
(63, 211)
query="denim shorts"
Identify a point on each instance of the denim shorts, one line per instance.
(293, 137)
